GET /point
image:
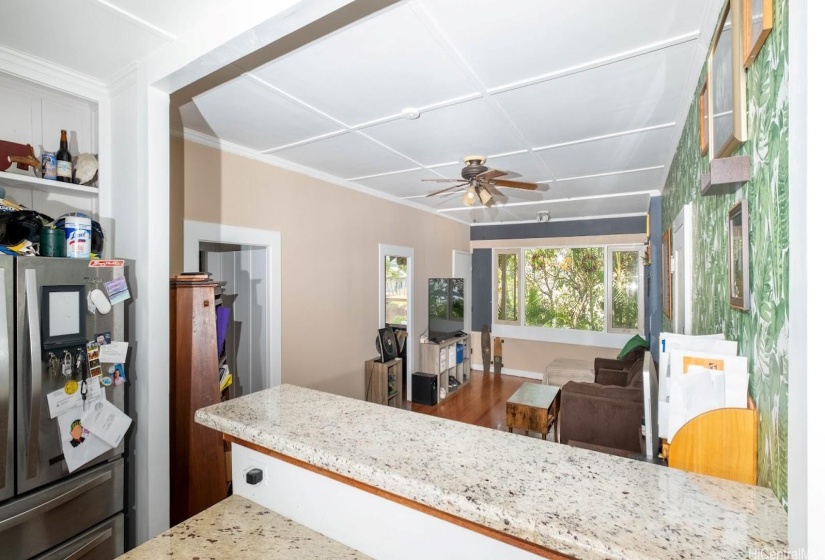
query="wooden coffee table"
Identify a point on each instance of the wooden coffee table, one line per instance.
(534, 408)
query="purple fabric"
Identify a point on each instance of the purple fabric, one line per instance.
(222, 314)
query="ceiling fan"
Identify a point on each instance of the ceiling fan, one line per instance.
(480, 182)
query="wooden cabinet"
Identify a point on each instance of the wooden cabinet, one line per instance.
(197, 461)
(383, 381)
(450, 361)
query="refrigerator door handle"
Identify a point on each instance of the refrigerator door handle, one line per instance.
(15, 520)
(35, 398)
(5, 377)
(91, 545)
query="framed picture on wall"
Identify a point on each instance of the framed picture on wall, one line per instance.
(666, 274)
(757, 16)
(727, 123)
(738, 257)
(703, 118)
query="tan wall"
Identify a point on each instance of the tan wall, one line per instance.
(330, 237)
(176, 193)
(533, 356)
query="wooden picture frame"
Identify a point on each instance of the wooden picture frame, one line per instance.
(738, 257)
(727, 122)
(757, 22)
(703, 119)
(666, 274)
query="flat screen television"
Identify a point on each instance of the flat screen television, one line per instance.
(446, 308)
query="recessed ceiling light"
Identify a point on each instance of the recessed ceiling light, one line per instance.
(410, 114)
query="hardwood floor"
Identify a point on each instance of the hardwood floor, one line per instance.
(481, 403)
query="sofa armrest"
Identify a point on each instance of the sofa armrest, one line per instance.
(612, 377)
(607, 363)
(602, 415)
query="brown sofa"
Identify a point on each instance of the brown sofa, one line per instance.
(605, 415)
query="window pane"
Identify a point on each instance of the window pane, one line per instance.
(626, 283)
(395, 299)
(508, 290)
(564, 288)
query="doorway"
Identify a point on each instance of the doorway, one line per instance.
(682, 271)
(245, 245)
(241, 270)
(395, 303)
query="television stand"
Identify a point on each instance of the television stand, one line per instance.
(442, 359)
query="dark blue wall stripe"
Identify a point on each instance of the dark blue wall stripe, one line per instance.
(653, 305)
(482, 288)
(577, 228)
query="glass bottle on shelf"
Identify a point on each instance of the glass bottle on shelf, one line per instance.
(64, 160)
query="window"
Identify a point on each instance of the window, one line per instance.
(564, 288)
(596, 289)
(507, 279)
(395, 277)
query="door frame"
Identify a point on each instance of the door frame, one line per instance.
(385, 251)
(194, 232)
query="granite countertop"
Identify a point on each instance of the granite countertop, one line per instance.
(575, 501)
(240, 529)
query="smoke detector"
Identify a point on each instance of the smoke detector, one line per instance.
(543, 216)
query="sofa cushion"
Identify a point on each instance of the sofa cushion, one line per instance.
(631, 394)
(635, 343)
(635, 378)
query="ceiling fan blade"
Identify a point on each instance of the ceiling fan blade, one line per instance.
(443, 180)
(442, 191)
(490, 174)
(514, 184)
(493, 190)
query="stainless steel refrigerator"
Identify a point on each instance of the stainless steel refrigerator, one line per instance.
(46, 511)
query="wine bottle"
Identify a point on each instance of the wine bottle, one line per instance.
(64, 160)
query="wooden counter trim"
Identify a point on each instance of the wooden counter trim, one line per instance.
(472, 526)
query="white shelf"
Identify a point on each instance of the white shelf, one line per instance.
(14, 180)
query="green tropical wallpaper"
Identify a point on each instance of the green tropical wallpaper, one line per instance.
(762, 332)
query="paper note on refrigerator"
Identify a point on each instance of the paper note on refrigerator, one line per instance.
(114, 352)
(106, 421)
(61, 400)
(79, 445)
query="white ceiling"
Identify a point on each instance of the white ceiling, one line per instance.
(587, 98)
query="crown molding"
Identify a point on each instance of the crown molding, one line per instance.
(552, 219)
(242, 151)
(51, 75)
(123, 79)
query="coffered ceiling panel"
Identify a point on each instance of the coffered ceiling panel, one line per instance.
(643, 91)
(405, 184)
(449, 134)
(349, 155)
(248, 113)
(613, 206)
(371, 70)
(622, 153)
(77, 34)
(647, 180)
(172, 17)
(506, 42)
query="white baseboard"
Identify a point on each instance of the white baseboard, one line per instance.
(516, 372)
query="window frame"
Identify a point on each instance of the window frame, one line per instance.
(519, 254)
(607, 337)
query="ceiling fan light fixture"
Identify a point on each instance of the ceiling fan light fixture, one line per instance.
(484, 195)
(469, 198)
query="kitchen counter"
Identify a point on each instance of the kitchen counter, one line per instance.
(240, 529)
(574, 501)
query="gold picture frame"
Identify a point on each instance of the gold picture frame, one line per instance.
(739, 288)
(666, 274)
(757, 22)
(727, 122)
